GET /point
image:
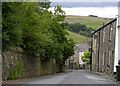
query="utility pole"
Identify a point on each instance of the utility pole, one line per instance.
(119, 30)
(117, 40)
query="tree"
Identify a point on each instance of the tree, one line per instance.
(11, 24)
(37, 30)
(79, 28)
(86, 56)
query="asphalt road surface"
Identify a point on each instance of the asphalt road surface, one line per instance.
(73, 77)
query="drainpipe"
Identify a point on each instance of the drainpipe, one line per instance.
(98, 50)
(91, 54)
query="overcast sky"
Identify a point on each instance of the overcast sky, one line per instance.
(109, 11)
(85, 11)
(85, 0)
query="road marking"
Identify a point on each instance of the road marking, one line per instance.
(95, 78)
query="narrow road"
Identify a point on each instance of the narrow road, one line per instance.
(73, 77)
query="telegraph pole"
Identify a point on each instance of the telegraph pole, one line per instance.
(118, 31)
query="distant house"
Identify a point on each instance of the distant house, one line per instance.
(105, 44)
(79, 51)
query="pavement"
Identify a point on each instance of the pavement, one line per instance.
(74, 77)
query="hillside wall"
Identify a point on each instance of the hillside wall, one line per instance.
(19, 65)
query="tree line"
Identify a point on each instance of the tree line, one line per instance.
(40, 32)
(80, 29)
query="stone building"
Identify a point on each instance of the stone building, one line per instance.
(79, 52)
(76, 60)
(103, 48)
(80, 49)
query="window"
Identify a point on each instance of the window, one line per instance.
(103, 35)
(111, 30)
(109, 61)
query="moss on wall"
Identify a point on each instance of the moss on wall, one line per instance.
(16, 72)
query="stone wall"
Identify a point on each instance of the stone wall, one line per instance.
(29, 66)
(103, 48)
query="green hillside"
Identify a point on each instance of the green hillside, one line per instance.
(94, 22)
(78, 39)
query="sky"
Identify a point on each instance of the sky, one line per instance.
(106, 11)
(85, 0)
(100, 12)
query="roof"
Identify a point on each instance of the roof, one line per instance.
(104, 26)
(82, 47)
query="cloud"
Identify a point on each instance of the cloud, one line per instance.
(109, 12)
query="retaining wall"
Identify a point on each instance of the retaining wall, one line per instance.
(27, 66)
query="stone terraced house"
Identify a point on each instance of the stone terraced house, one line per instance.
(106, 48)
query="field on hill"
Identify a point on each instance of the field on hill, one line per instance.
(94, 22)
(77, 38)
